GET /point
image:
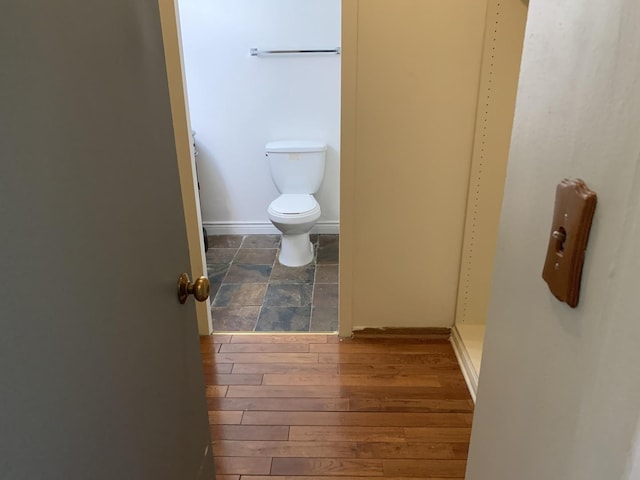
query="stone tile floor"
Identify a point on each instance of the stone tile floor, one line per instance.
(252, 291)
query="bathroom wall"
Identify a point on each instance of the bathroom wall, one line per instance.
(410, 89)
(238, 102)
(559, 391)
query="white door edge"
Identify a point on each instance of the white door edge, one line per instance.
(186, 160)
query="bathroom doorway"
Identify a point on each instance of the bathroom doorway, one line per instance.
(238, 102)
(253, 292)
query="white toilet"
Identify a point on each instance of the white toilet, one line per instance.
(297, 169)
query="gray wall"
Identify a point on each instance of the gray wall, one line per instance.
(559, 391)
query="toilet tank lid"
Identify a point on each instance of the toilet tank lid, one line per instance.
(293, 146)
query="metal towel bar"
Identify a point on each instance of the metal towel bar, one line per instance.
(255, 52)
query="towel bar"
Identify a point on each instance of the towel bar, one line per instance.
(255, 52)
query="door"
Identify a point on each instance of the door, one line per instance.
(100, 374)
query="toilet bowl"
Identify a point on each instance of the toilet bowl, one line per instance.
(297, 169)
(294, 215)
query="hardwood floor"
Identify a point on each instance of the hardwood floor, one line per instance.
(302, 407)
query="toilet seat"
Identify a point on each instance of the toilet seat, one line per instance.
(294, 207)
(295, 215)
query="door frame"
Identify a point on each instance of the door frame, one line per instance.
(349, 83)
(169, 19)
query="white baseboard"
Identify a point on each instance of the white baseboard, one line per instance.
(466, 365)
(239, 228)
(262, 228)
(327, 228)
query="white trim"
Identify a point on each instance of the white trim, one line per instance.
(328, 227)
(171, 38)
(466, 365)
(240, 228)
(263, 228)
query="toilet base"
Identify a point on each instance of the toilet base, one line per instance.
(296, 250)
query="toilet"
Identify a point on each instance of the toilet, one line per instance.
(297, 170)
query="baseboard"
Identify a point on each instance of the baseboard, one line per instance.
(239, 228)
(327, 228)
(263, 228)
(468, 370)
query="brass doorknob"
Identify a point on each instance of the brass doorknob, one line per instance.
(199, 288)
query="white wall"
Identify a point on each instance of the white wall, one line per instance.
(559, 392)
(238, 102)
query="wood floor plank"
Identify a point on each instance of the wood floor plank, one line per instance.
(280, 404)
(347, 434)
(213, 368)
(306, 391)
(436, 434)
(228, 417)
(209, 348)
(416, 451)
(425, 468)
(377, 348)
(335, 477)
(242, 465)
(279, 338)
(365, 419)
(321, 449)
(460, 450)
(292, 358)
(280, 392)
(383, 347)
(216, 390)
(410, 405)
(325, 466)
(303, 407)
(353, 380)
(382, 369)
(237, 379)
(348, 391)
(431, 348)
(249, 432)
(219, 338)
(452, 381)
(433, 360)
(394, 339)
(399, 333)
(286, 368)
(264, 348)
(310, 449)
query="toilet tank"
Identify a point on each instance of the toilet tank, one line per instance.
(297, 166)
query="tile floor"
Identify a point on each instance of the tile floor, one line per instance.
(252, 291)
